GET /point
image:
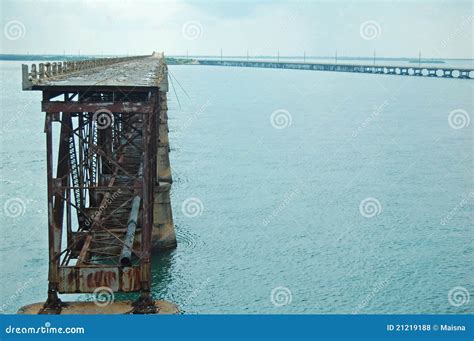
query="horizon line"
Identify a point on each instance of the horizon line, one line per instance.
(245, 56)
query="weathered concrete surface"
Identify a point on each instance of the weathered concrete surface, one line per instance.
(163, 161)
(163, 233)
(138, 72)
(92, 308)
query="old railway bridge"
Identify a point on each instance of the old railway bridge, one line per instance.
(108, 194)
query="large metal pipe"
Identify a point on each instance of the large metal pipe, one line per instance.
(132, 223)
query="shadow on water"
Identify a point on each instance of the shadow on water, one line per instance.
(161, 273)
(171, 280)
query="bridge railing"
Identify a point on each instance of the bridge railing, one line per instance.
(50, 70)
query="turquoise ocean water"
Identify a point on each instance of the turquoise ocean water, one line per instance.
(316, 192)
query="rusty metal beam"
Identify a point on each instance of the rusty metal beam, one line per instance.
(132, 224)
(85, 279)
(73, 107)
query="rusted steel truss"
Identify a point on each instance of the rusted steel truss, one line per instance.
(100, 191)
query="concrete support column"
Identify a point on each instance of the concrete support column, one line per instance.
(163, 161)
(163, 233)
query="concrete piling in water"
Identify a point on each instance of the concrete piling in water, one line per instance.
(163, 234)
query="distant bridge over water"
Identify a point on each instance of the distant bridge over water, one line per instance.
(400, 70)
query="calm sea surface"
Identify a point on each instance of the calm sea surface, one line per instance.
(321, 193)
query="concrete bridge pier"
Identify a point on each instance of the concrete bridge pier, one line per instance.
(163, 234)
(448, 73)
(163, 167)
(463, 74)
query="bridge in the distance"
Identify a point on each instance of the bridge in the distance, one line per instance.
(400, 70)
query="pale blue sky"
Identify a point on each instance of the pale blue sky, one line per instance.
(355, 28)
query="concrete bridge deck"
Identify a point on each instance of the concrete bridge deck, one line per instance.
(137, 72)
